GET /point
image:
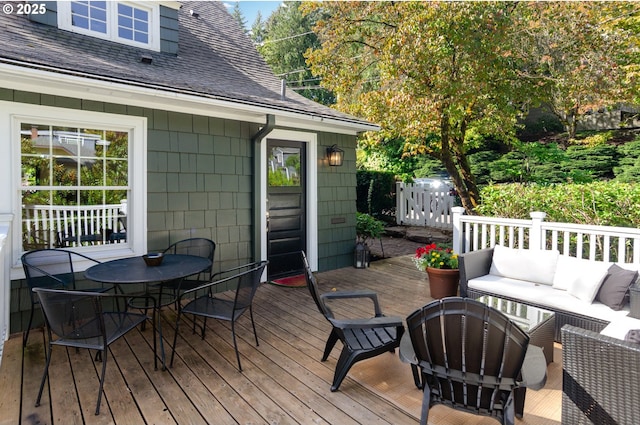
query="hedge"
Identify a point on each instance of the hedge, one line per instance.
(600, 203)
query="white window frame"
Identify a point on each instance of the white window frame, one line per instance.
(311, 141)
(13, 114)
(153, 8)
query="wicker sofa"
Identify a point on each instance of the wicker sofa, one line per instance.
(600, 382)
(532, 277)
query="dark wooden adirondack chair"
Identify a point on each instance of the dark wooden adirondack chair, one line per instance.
(471, 358)
(361, 338)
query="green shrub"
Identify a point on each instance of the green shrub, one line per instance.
(599, 203)
(368, 227)
(628, 169)
(376, 194)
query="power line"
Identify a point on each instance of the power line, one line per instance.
(286, 38)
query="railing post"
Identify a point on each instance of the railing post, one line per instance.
(400, 212)
(535, 238)
(457, 213)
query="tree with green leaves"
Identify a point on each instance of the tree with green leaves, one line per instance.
(285, 37)
(257, 32)
(442, 69)
(239, 17)
(583, 54)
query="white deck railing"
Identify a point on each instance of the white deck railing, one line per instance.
(423, 206)
(596, 243)
(46, 226)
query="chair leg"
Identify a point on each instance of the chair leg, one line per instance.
(509, 411)
(255, 334)
(426, 402)
(235, 343)
(175, 338)
(519, 395)
(331, 342)
(44, 374)
(104, 369)
(25, 338)
(346, 360)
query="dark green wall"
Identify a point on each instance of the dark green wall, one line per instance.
(336, 204)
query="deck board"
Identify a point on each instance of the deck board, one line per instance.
(283, 380)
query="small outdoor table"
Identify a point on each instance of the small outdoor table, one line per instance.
(134, 270)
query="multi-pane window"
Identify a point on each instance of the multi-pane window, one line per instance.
(74, 185)
(90, 15)
(134, 23)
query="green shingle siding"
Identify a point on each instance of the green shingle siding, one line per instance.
(200, 183)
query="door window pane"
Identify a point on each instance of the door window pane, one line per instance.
(284, 166)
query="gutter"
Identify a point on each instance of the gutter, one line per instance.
(270, 125)
(256, 142)
(25, 76)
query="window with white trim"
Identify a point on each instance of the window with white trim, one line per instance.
(74, 185)
(80, 179)
(133, 23)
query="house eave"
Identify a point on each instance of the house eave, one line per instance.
(51, 81)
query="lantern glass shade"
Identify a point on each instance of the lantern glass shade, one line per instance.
(335, 155)
(361, 256)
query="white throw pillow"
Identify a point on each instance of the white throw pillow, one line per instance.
(588, 279)
(567, 271)
(538, 266)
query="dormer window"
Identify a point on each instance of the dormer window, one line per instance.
(133, 23)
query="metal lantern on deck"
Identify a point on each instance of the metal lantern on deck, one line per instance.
(361, 256)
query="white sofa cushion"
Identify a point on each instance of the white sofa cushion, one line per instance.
(544, 296)
(537, 266)
(566, 271)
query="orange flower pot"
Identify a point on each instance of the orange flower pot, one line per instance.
(443, 282)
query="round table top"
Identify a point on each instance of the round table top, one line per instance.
(135, 270)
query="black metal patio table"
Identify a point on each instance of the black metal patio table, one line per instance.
(133, 270)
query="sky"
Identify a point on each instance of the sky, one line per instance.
(250, 9)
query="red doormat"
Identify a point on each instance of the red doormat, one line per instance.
(291, 281)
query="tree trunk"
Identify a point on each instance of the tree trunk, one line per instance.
(455, 162)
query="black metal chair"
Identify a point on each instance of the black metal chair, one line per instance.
(361, 338)
(200, 247)
(243, 281)
(471, 358)
(80, 319)
(51, 268)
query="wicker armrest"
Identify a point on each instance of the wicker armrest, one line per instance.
(473, 264)
(599, 382)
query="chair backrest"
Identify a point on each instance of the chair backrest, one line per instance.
(471, 351)
(312, 284)
(200, 247)
(51, 268)
(248, 282)
(243, 280)
(74, 315)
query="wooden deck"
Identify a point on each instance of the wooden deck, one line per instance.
(283, 380)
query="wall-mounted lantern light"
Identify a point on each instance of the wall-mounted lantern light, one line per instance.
(335, 155)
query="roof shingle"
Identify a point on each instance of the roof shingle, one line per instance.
(215, 59)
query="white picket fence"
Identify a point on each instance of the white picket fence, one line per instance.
(423, 206)
(596, 243)
(46, 226)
